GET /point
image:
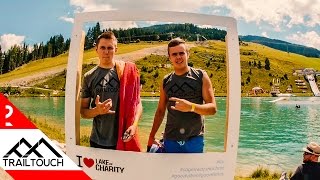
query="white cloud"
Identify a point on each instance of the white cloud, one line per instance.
(9, 40)
(311, 39)
(274, 12)
(162, 5)
(206, 26)
(67, 19)
(90, 5)
(118, 24)
(264, 34)
(279, 14)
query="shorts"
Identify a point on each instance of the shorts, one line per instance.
(193, 145)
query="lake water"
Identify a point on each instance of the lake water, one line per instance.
(271, 134)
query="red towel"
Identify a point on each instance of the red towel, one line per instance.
(129, 100)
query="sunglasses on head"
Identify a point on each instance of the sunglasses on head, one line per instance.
(306, 153)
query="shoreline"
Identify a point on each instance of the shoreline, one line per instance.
(56, 132)
(156, 95)
(52, 129)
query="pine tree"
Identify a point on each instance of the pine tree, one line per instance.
(267, 64)
(25, 54)
(89, 40)
(259, 65)
(49, 50)
(96, 31)
(41, 51)
(67, 45)
(1, 60)
(6, 63)
(59, 42)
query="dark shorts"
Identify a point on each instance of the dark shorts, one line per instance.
(192, 145)
(95, 145)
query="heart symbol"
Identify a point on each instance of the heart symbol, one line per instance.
(88, 162)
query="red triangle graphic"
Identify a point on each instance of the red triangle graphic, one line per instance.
(11, 117)
(48, 175)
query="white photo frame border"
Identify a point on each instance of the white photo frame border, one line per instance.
(217, 165)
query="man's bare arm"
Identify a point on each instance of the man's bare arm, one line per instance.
(159, 115)
(138, 113)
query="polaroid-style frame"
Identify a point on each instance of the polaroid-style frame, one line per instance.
(120, 165)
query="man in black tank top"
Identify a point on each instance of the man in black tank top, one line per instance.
(310, 169)
(187, 95)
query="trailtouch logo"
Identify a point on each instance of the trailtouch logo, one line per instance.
(27, 153)
(24, 155)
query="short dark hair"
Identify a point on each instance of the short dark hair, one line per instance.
(175, 42)
(106, 35)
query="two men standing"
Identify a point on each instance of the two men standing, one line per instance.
(186, 93)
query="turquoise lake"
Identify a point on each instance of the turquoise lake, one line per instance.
(272, 134)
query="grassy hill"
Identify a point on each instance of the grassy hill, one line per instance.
(282, 45)
(60, 62)
(210, 57)
(282, 65)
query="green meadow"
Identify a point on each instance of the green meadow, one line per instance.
(60, 62)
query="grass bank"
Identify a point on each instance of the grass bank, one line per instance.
(262, 173)
(56, 132)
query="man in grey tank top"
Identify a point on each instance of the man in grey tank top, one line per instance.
(100, 97)
(187, 95)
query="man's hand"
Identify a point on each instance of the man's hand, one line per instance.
(131, 131)
(181, 104)
(103, 107)
(151, 141)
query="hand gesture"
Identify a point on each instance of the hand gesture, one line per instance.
(129, 134)
(103, 107)
(181, 104)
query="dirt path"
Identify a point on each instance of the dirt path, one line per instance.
(132, 56)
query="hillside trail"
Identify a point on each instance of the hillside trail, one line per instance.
(30, 80)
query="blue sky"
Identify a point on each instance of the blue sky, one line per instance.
(35, 21)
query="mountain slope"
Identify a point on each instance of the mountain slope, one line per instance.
(211, 57)
(283, 45)
(45, 68)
